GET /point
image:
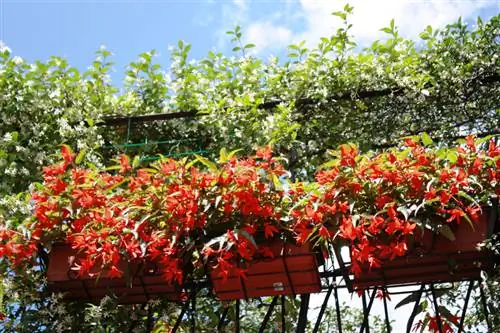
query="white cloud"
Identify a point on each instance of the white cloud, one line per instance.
(411, 17)
(232, 14)
(240, 3)
(266, 35)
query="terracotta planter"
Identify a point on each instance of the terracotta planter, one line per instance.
(435, 258)
(292, 271)
(144, 281)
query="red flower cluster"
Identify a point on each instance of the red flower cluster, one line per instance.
(182, 215)
(161, 214)
(375, 202)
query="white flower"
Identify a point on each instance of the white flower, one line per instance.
(17, 60)
(4, 47)
(54, 94)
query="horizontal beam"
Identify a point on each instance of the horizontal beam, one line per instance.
(350, 95)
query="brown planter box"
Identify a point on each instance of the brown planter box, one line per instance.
(437, 259)
(144, 281)
(292, 271)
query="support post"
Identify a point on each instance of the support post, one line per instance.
(283, 314)
(268, 314)
(466, 303)
(193, 313)
(485, 308)
(366, 311)
(337, 308)
(436, 308)
(386, 312)
(222, 319)
(183, 312)
(237, 317)
(323, 308)
(304, 306)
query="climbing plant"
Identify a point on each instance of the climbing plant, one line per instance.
(445, 84)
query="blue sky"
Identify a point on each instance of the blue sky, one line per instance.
(74, 29)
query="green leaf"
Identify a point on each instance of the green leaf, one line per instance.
(452, 157)
(426, 139)
(249, 46)
(342, 15)
(386, 30)
(136, 162)
(223, 157)
(413, 297)
(446, 232)
(236, 48)
(15, 136)
(232, 153)
(276, 182)
(80, 156)
(206, 162)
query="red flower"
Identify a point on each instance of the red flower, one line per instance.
(381, 294)
(456, 215)
(324, 233)
(302, 235)
(409, 142)
(114, 272)
(444, 197)
(269, 230)
(67, 154)
(265, 153)
(57, 186)
(265, 251)
(469, 140)
(124, 163)
(382, 200)
(347, 230)
(348, 153)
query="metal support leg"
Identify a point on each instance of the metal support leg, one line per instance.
(268, 314)
(485, 308)
(337, 309)
(366, 311)
(222, 319)
(466, 303)
(436, 308)
(386, 312)
(183, 312)
(283, 314)
(237, 317)
(193, 314)
(323, 308)
(304, 306)
(344, 270)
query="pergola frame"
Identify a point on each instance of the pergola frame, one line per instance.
(329, 277)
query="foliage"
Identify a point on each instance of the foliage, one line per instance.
(445, 84)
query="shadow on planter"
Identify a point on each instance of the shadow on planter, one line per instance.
(143, 281)
(435, 258)
(292, 271)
